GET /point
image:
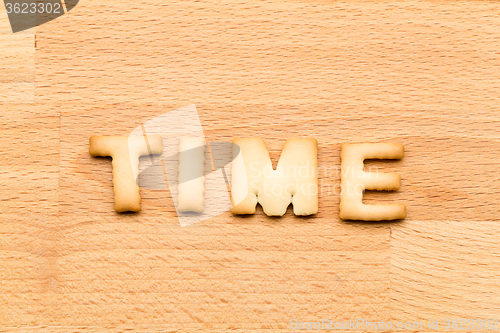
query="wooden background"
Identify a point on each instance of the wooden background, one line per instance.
(423, 73)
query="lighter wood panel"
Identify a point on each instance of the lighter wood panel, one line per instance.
(430, 55)
(17, 63)
(29, 171)
(445, 270)
(17, 68)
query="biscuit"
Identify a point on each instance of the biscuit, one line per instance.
(125, 152)
(295, 179)
(191, 175)
(354, 180)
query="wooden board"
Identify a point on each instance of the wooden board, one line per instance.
(17, 63)
(423, 73)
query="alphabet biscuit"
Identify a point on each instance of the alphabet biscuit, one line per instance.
(125, 152)
(295, 179)
(191, 175)
(354, 180)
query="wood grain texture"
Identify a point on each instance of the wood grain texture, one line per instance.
(17, 63)
(423, 73)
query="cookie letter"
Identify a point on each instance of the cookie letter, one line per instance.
(191, 175)
(295, 179)
(125, 152)
(354, 181)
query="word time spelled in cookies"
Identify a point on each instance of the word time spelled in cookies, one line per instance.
(253, 179)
